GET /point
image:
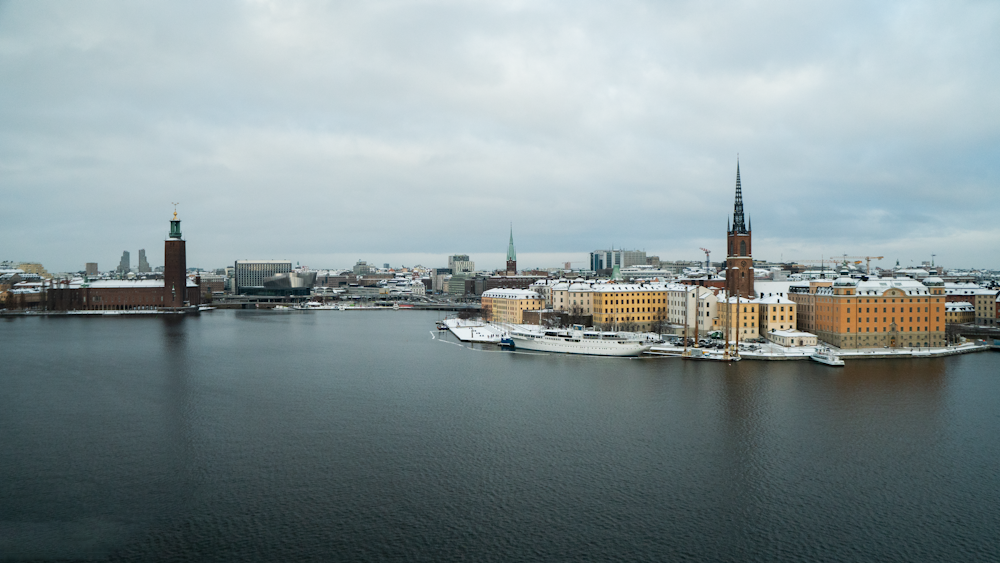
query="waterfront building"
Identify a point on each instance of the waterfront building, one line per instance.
(776, 313)
(739, 260)
(125, 264)
(959, 312)
(573, 296)
(737, 318)
(792, 338)
(439, 279)
(511, 255)
(91, 269)
(875, 313)
(638, 307)
(986, 307)
(362, 268)
(803, 294)
(175, 290)
(143, 264)
(252, 273)
(509, 305)
(460, 263)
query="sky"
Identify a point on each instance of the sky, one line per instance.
(402, 132)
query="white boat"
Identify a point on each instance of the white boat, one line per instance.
(578, 341)
(825, 356)
(205, 308)
(315, 306)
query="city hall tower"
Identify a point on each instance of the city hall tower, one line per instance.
(174, 267)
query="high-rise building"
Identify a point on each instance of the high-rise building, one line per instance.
(739, 261)
(125, 264)
(91, 269)
(252, 273)
(511, 255)
(459, 263)
(608, 259)
(143, 264)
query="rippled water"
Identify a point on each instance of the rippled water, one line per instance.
(356, 436)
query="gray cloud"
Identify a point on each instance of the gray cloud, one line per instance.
(405, 131)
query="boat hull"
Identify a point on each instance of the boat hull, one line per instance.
(584, 347)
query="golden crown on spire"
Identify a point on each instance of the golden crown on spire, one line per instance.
(175, 210)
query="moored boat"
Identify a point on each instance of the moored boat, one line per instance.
(827, 357)
(578, 341)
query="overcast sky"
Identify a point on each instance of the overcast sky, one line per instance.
(402, 132)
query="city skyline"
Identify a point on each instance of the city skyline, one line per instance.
(403, 134)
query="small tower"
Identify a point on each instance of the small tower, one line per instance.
(174, 266)
(739, 257)
(511, 255)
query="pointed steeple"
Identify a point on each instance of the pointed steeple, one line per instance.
(739, 227)
(511, 253)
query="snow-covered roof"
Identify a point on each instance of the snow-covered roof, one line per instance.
(957, 306)
(501, 293)
(792, 333)
(774, 300)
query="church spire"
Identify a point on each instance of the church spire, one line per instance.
(511, 253)
(739, 227)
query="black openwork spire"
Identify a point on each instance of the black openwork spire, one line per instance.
(739, 227)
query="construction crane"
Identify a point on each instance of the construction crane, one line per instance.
(708, 264)
(867, 259)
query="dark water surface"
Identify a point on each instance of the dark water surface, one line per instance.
(355, 436)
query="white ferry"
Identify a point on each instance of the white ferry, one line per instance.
(826, 356)
(577, 341)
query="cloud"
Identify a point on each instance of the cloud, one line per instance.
(319, 131)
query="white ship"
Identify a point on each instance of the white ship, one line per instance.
(577, 341)
(826, 356)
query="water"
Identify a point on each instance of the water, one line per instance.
(330, 435)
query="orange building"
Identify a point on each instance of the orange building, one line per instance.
(879, 313)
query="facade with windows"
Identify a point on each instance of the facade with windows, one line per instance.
(890, 312)
(776, 314)
(509, 305)
(959, 312)
(608, 259)
(252, 273)
(986, 307)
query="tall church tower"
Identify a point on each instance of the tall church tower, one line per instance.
(739, 261)
(511, 255)
(174, 267)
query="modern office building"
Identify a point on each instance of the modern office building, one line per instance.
(460, 263)
(252, 273)
(125, 264)
(143, 264)
(608, 259)
(91, 269)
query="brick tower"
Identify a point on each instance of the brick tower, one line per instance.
(739, 261)
(174, 267)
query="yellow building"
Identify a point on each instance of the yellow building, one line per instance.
(34, 268)
(740, 316)
(776, 314)
(878, 312)
(629, 306)
(804, 297)
(569, 295)
(959, 312)
(509, 305)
